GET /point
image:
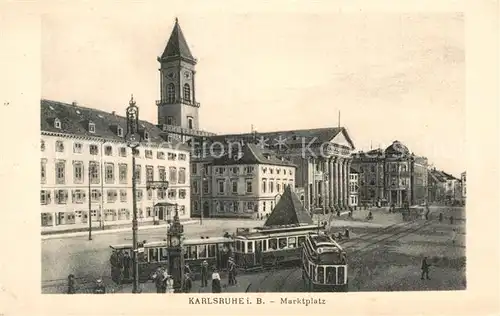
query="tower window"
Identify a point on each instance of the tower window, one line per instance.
(190, 122)
(171, 93)
(119, 131)
(170, 120)
(187, 92)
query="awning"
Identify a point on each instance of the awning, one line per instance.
(164, 204)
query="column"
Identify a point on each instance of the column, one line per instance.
(337, 182)
(313, 181)
(325, 195)
(331, 196)
(305, 182)
(346, 183)
(341, 182)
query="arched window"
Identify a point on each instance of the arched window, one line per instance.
(187, 92)
(190, 122)
(171, 93)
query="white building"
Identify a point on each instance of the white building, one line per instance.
(463, 180)
(248, 186)
(76, 139)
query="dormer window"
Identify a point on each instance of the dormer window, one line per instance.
(119, 131)
(91, 127)
(146, 136)
(57, 123)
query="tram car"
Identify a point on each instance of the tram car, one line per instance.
(324, 265)
(215, 250)
(268, 246)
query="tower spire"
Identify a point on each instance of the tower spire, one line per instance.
(177, 46)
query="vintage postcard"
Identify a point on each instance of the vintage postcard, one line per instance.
(261, 160)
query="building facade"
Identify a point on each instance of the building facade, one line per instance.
(322, 157)
(84, 156)
(248, 186)
(444, 188)
(463, 180)
(392, 176)
(353, 188)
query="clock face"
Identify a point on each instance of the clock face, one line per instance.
(171, 75)
(174, 241)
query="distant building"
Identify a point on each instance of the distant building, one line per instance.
(248, 184)
(463, 180)
(75, 139)
(444, 187)
(353, 187)
(391, 176)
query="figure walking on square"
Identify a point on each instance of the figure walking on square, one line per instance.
(187, 283)
(126, 266)
(232, 271)
(99, 287)
(169, 284)
(204, 273)
(451, 220)
(216, 286)
(453, 236)
(425, 269)
(71, 284)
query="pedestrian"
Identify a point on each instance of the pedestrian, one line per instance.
(346, 234)
(126, 266)
(451, 220)
(99, 287)
(441, 217)
(216, 287)
(204, 273)
(231, 269)
(453, 236)
(169, 284)
(71, 284)
(159, 278)
(339, 236)
(425, 269)
(338, 213)
(187, 269)
(188, 284)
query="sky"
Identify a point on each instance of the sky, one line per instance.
(392, 76)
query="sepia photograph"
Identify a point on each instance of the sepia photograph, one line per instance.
(302, 159)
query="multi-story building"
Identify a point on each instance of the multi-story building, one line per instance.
(84, 156)
(248, 184)
(444, 187)
(393, 176)
(463, 180)
(322, 156)
(353, 187)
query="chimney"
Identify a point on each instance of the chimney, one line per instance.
(114, 113)
(74, 103)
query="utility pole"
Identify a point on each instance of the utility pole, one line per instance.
(133, 141)
(90, 204)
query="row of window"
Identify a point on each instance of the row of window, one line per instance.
(233, 207)
(395, 167)
(109, 173)
(222, 170)
(171, 97)
(279, 187)
(270, 244)
(63, 218)
(122, 151)
(79, 196)
(334, 275)
(278, 170)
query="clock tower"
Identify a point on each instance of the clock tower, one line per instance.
(175, 236)
(177, 105)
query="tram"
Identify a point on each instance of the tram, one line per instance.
(324, 265)
(269, 246)
(215, 250)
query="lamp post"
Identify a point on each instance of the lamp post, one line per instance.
(133, 138)
(202, 209)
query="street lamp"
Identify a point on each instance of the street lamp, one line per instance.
(133, 138)
(201, 198)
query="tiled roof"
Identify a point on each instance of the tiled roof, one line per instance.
(293, 137)
(441, 176)
(251, 155)
(289, 211)
(75, 121)
(177, 45)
